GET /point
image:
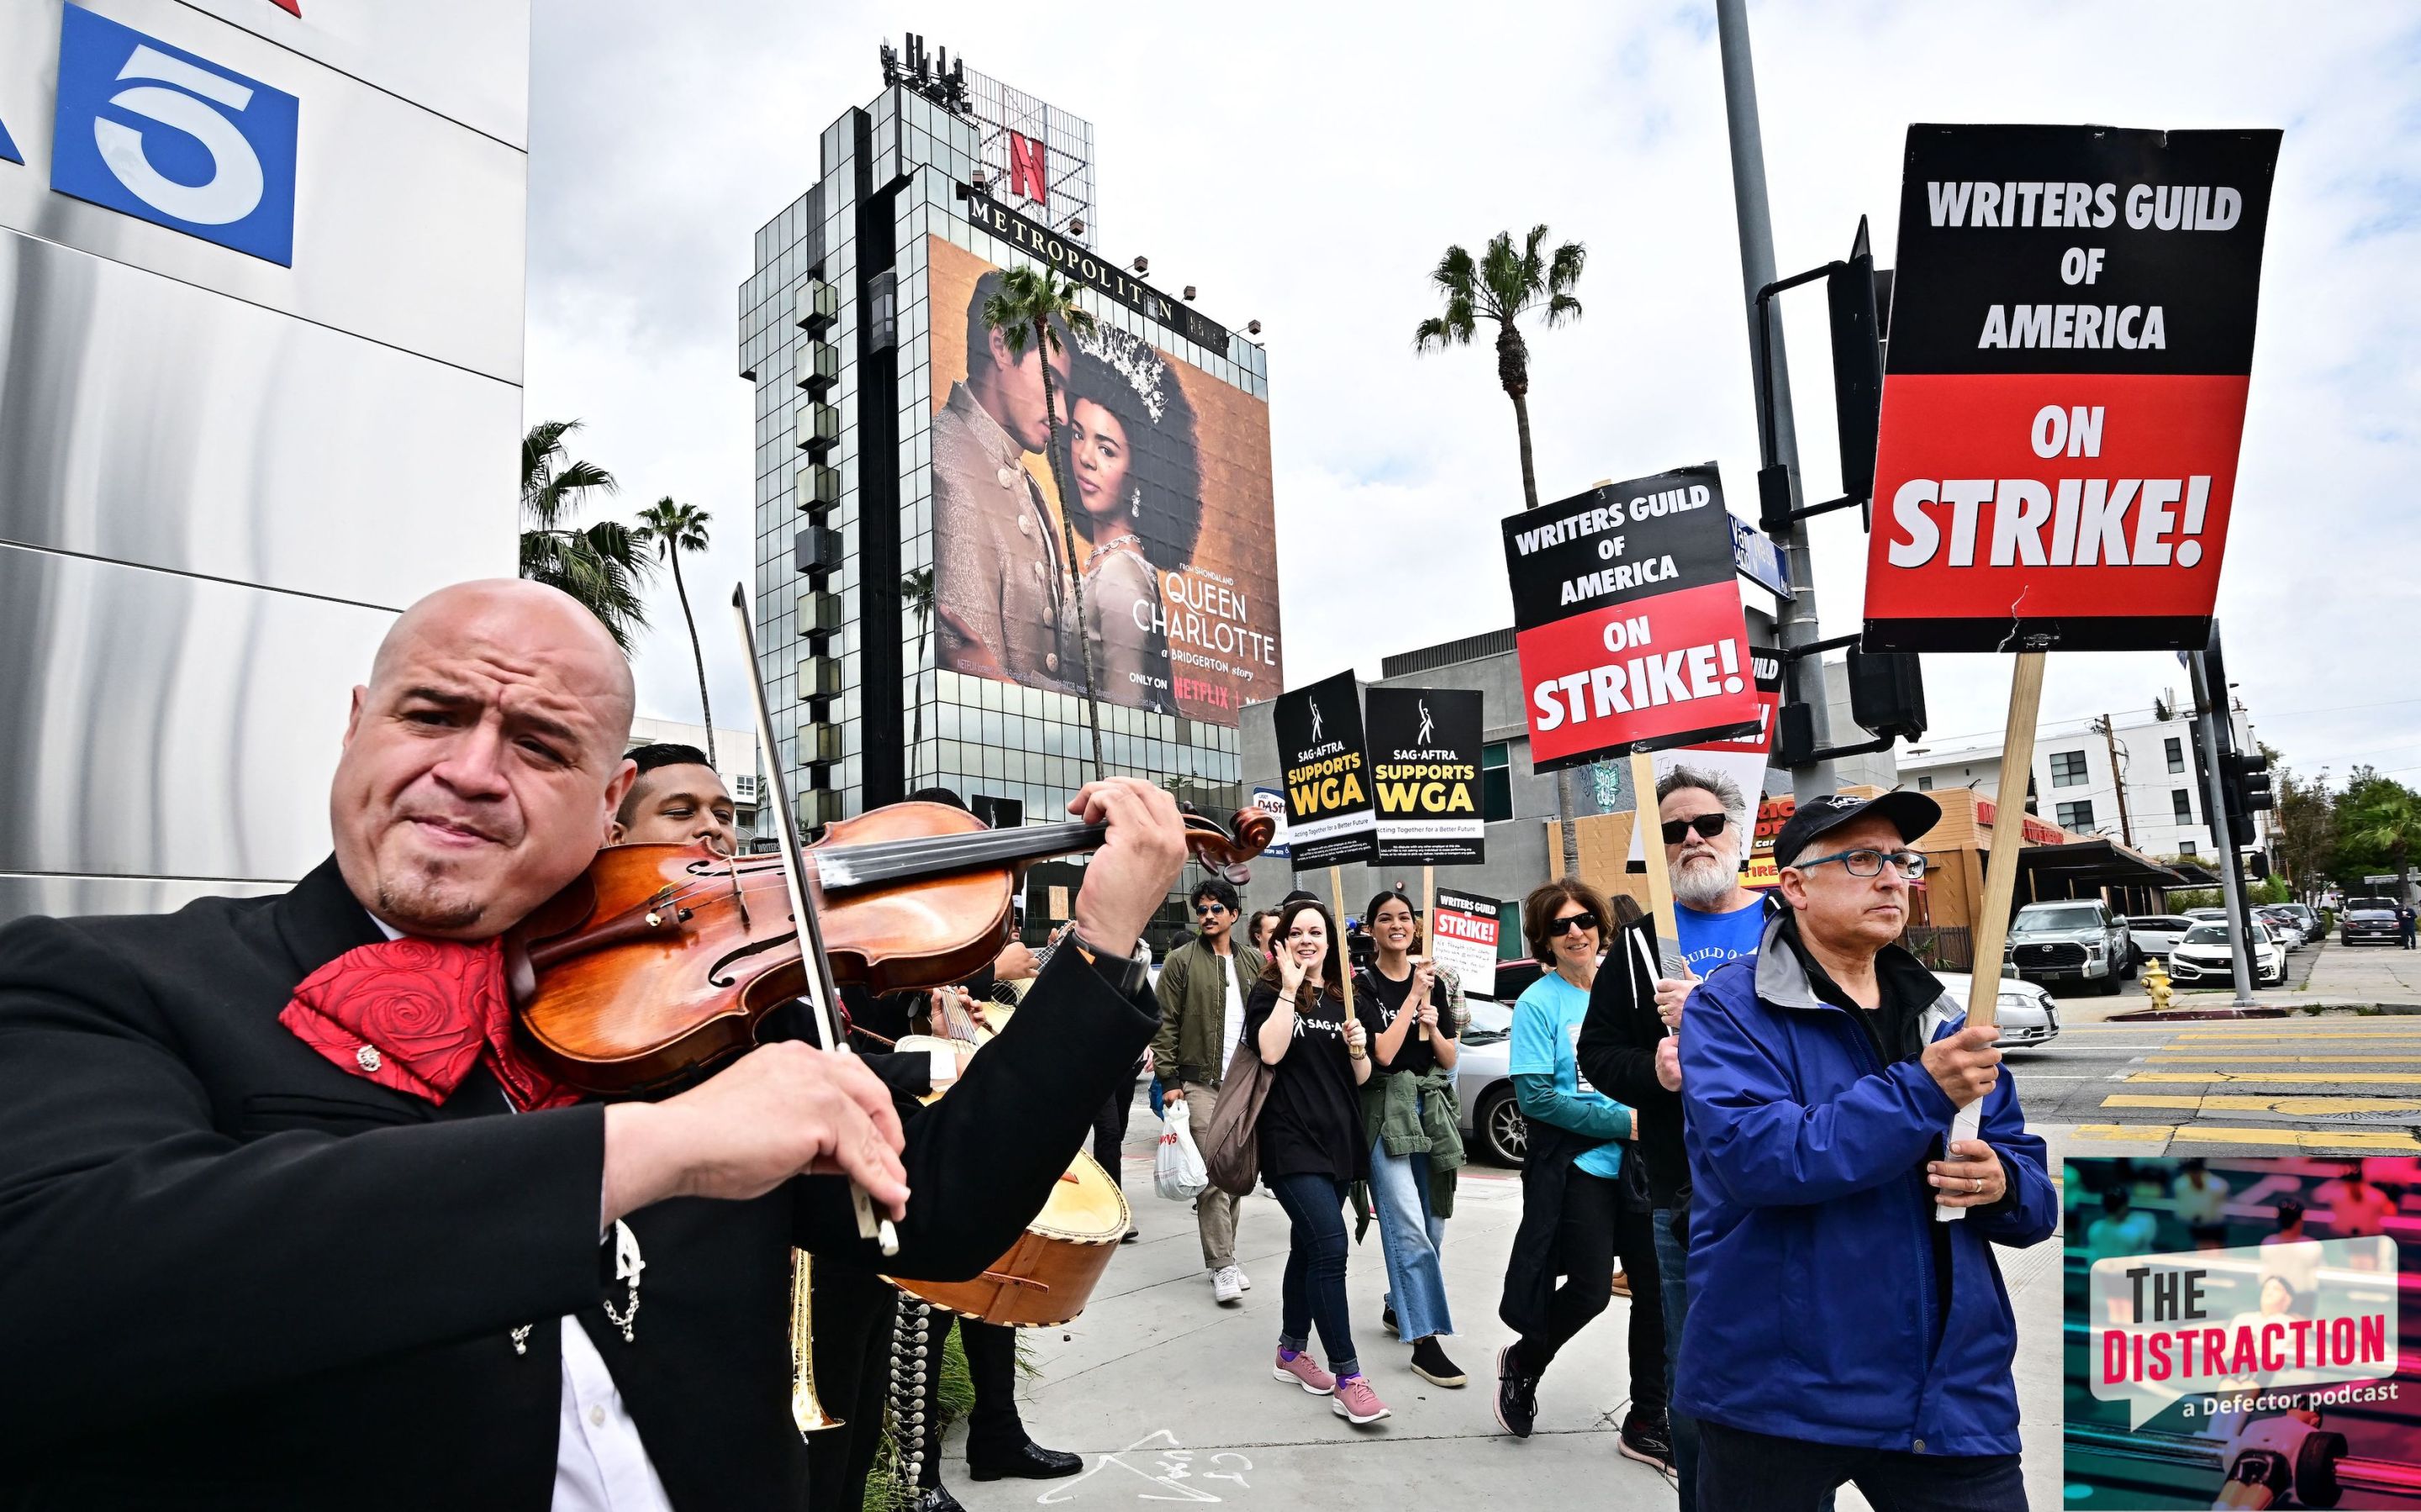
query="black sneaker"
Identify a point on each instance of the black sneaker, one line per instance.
(1516, 1396)
(1649, 1441)
(1431, 1364)
(1387, 1319)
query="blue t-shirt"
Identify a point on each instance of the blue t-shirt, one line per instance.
(1710, 939)
(1546, 1027)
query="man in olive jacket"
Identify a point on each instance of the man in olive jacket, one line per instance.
(1202, 988)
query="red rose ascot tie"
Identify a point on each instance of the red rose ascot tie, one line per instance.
(415, 1015)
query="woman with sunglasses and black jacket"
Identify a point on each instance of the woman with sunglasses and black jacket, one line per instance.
(1575, 1213)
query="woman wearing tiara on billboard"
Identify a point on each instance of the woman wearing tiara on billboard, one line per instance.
(1138, 487)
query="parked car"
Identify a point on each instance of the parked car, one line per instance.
(2156, 934)
(2207, 915)
(2025, 1013)
(2369, 918)
(2289, 929)
(2076, 941)
(1492, 1126)
(2205, 955)
(2305, 918)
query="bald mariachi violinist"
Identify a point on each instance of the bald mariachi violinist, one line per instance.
(289, 1220)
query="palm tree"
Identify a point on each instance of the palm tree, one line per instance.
(1502, 285)
(1037, 306)
(672, 529)
(602, 566)
(916, 592)
(2385, 816)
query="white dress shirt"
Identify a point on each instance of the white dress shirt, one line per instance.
(600, 1464)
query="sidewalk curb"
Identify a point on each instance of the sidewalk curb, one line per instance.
(2259, 1010)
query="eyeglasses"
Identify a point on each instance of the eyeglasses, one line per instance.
(1569, 924)
(1708, 826)
(1870, 863)
(1206, 910)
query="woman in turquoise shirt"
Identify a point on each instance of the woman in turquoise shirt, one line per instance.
(1574, 1215)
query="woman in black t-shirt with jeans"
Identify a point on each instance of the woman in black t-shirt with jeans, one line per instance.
(1310, 1137)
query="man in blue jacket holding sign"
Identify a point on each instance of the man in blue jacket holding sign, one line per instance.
(1836, 1330)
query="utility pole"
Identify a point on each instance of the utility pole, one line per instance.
(1797, 618)
(2208, 707)
(2117, 780)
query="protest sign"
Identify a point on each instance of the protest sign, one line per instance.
(1463, 935)
(1627, 620)
(1273, 803)
(1741, 760)
(2072, 339)
(1425, 772)
(1331, 818)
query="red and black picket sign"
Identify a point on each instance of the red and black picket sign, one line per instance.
(2071, 340)
(1627, 620)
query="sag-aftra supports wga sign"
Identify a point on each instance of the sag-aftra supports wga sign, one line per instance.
(2236, 1327)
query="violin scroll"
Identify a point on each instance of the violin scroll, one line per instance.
(1226, 850)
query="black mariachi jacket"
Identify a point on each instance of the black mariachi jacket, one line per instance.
(233, 1275)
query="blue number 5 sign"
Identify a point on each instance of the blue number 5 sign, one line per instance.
(171, 138)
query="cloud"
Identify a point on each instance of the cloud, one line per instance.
(1306, 165)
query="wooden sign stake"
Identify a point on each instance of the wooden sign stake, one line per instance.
(1428, 934)
(2001, 876)
(1651, 847)
(1344, 950)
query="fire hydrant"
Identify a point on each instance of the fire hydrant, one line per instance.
(2156, 984)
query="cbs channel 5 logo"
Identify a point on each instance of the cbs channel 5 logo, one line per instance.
(171, 138)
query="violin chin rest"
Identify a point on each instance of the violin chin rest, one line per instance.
(521, 979)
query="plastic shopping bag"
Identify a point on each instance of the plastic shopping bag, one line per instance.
(1176, 1171)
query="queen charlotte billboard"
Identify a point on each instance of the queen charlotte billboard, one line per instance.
(1174, 549)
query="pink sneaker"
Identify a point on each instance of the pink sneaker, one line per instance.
(1356, 1402)
(1301, 1371)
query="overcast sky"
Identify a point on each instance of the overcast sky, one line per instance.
(1306, 170)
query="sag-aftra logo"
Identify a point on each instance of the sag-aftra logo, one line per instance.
(167, 136)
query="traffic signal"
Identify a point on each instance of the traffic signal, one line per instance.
(1850, 297)
(1887, 693)
(2244, 780)
(2257, 867)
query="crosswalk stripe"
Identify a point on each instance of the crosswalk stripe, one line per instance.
(2306, 1033)
(2270, 1058)
(2394, 1140)
(2317, 1078)
(2286, 1105)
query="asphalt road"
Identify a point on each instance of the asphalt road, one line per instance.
(2309, 1083)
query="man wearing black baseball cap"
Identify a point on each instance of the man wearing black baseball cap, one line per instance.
(1819, 1078)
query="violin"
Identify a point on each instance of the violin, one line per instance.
(660, 960)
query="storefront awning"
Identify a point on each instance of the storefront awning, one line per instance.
(2084, 865)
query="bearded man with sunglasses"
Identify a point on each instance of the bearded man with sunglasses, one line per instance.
(1838, 1333)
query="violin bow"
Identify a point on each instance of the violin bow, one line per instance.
(823, 996)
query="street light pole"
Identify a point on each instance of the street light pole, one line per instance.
(1796, 619)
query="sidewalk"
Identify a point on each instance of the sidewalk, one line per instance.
(1168, 1395)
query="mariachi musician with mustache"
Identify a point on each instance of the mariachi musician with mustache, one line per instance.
(287, 1219)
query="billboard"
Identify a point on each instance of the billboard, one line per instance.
(2071, 342)
(1174, 545)
(1627, 620)
(1425, 769)
(1330, 818)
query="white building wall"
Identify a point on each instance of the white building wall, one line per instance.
(2072, 768)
